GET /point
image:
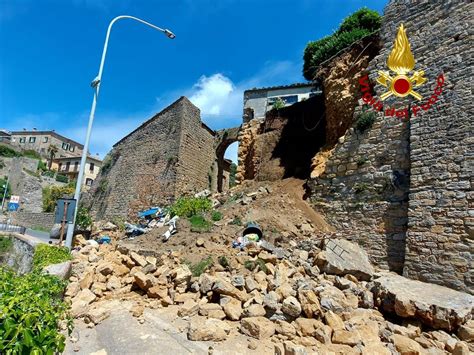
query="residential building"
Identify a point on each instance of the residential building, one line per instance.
(5, 136)
(69, 166)
(40, 141)
(258, 101)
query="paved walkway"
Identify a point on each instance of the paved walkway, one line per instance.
(121, 333)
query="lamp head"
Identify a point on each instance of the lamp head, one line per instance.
(170, 34)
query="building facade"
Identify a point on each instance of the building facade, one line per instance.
(39, 141)
(70, 168)
(260, 100)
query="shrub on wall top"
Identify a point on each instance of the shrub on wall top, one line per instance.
(354, 27)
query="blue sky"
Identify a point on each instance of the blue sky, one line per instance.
(50, 52)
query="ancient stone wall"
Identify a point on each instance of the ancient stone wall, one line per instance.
(440, 239)
(168, 156)
(196, 153)
(403, 189)
(140, 171)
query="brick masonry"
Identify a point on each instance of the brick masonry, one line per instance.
(403, 189)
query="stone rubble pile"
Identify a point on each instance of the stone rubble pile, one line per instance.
(312, 301)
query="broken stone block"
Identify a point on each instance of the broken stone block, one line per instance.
(341, 257)
(105, 268)
(437, 306)
(226, 288)
(188, 308)
(61, 270)
(405, 345)
(257, 327)
(342, 336)
(254, 310)
(232, 308)
(138, 259)
(291, 306)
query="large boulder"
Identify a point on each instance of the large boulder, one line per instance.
(437, 306)
(341, 257)
(61, 270)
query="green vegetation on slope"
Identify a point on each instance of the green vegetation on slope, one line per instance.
(354, 27)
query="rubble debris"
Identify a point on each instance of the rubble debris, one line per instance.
(342, 257)
(437, 306)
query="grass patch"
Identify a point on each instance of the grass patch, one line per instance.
(49, 254)
(200, 267)
(199, 224)
(224, 262)
(252, 265)
(236, 221)
(216, 216)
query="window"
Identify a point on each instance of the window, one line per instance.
(71, 148)
(68, 165)
(91, 167)
(65, 146)
(89, 182)
(76, 165)
(22, 139)
(45, 139)
(32, 139)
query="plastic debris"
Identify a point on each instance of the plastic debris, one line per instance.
(172, 228)
(104, 239)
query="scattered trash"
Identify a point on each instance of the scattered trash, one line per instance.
(203, 193)
(105, 239)
(92, 242)
(133, 230)
(172, 229)
(251, 234)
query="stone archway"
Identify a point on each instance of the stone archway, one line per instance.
(224, 138)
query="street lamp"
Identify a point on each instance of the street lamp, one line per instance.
(96, 85)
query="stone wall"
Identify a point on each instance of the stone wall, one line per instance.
(440, 239)
(402, 189)
(196, 153)
(33, 219)
(169, 155)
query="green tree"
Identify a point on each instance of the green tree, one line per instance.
(52, 151)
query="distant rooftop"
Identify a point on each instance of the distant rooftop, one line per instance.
(52, 133)
(289, 86)
(91, 157)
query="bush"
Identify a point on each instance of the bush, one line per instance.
(354, 27)
(31, 310)
(365, 120)
(51, 195)
(83, 218)
(46, 254)
(62, 178)
(2, 164)
(190, 206)
(8, 152)
(49, 173)
(199, 224)
(42, 166)
(216, 216)
(6, 243)
(233, 172)
(102, 185)
(224, 262)
(363, 18)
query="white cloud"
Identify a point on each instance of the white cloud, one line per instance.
(216, 95)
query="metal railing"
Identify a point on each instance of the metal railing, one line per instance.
(4, 227)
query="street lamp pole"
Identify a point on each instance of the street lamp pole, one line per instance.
(96, 85)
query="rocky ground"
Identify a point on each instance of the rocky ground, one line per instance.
(305, 292)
